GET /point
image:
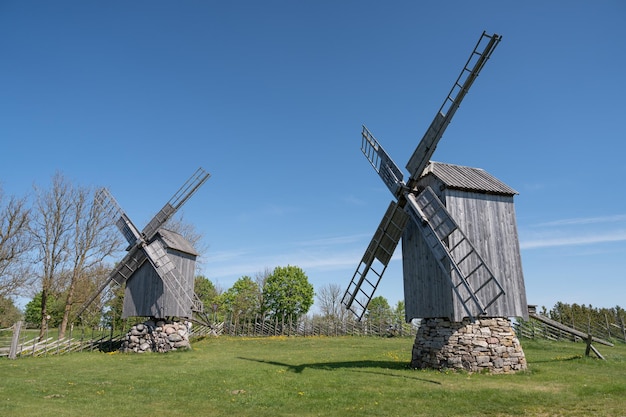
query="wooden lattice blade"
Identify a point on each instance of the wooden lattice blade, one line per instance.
(375, 260)
(113, 210)
(182, 195)
(424, 151)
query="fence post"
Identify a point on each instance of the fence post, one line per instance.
(17, 327)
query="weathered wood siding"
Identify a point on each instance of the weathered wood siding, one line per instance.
(488, 220)
(146, 296)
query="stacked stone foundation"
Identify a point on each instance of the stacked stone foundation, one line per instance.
(156, 336)
(485, 345)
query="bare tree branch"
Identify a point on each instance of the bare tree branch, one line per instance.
(15, 244)
(92, 240)
(50, 229)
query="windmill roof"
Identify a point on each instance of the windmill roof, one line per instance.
(467, 178)
(177, 242)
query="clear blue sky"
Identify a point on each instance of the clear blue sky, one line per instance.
(270, 96)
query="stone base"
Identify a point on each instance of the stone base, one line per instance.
(485, 345)
(156, 336)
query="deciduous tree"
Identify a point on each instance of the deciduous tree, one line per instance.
(378, 311)
(329, 300)
(9, 313)
(242, 299)
(50, 229)
(92, 239)
(15, 242)
(287, 293)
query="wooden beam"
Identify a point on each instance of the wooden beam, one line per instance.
(567, 329)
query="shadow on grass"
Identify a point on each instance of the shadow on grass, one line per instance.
(355, 366)
(558, 359)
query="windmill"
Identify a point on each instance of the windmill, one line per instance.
(458, 262)
(158, 269)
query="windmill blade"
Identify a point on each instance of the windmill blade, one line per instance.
(124, 269)
(375, 260)
(381, 161)
(424, 151)
(166, 269)
(113, 210)
(472, 280)
(182, 195)
(128, 265)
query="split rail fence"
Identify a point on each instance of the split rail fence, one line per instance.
(602, 329)
(17, 341)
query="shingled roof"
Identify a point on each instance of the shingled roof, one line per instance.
(175, 241)
(467, 179)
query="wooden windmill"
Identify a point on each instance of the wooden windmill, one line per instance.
(459, 238)
(159, 268)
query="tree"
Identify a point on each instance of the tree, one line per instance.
(15, 242)
(242, 299)
(50, 230)
(92, 239)
(53, 308)
(287, 293)
(114, 306)
(261, 279)
(205, 290)
(208, 294)
(9, 313)
(93, 279)
(329, 300)
(399, 315)
(378, 312)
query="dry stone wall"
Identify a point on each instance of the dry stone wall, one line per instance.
(156, 336)
(485, 345)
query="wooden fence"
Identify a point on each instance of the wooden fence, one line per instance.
(17, 342)
(601, 329)
(261, 326)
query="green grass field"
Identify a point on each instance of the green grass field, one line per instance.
(312, 376)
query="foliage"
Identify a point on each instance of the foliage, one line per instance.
(206, 291)
(309, 376)
(114, 306)
(241, 301)
(574, 313)
(92, 239)
(287, 293)
(9, 313)
(379, 312)
(54, 308)
(399, 315)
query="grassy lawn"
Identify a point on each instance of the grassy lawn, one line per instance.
(313, 376)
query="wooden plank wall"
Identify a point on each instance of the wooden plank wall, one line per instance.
(146, 296)
(489, 221)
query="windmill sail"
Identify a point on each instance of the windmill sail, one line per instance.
(124, 269)
(461, 86)
(166, 270)
(473, 282)
(375, 260)
(113, 210)
(143, 247)
(381, 161)
(182, 195)
(470, 286)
